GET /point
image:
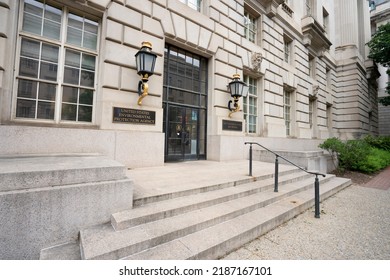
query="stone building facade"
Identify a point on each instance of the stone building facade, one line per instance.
(380, 14)
(67, 68)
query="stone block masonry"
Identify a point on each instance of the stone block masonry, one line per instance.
(46, 200)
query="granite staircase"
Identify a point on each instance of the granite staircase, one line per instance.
(204, 222)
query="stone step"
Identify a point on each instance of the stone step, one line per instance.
(225, 237)
(194, 189)
(176, 206)
(67, 251)
(40, 171)
(103, 242)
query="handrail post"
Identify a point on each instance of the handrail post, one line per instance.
(317, 197)
(250, 160)
(276, 174)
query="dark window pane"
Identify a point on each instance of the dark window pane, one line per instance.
(51, 29)
(91, 26)
(88, 62)
(75, 21)
(189, 71)
(86, 96)
(165, 96)
(85, 114)
(68, 112)
(25, 108)
(49, 53)
(48, 71)
(27, 89)
(203, 101)
(32, 24)
(74, 36)
(45, 110)
(181, 69)
(69, 94)
(30, 48)
(33, 7)
(72, 58)
(90, 41)
(28, 68)
(87, 78)
(52, 13)
(203, 88)
(71, 76)
(47, 92)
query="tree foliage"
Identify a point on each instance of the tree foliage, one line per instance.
(380, 53)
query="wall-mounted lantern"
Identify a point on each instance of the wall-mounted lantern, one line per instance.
(237, 89)
(145, 60)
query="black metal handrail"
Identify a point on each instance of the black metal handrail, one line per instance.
(276, 183)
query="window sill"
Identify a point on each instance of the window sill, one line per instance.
(50, 124)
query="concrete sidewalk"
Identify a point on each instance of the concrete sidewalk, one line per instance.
(354, 225)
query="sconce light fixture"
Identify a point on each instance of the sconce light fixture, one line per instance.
(145, 61)
(237, 89)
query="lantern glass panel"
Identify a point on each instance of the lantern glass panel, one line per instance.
(150, 60)
(245, 90)
(145, 62)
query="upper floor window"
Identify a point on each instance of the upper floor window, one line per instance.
(329, 116)
(250, 105)
(325, 20)
(287, 104)
(57, 66)
(194, 4)
(328, 78)
(311, 111)
(250, 27)
(287, 42)
(312, 67)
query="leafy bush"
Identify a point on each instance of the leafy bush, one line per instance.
(360, 155)
(380, 142)
(376, 160)
(334, 146)
(354, 154)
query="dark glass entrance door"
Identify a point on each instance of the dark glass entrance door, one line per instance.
(184, 104)
(182, 133)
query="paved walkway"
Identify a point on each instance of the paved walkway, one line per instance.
(354, 225)
(381, 181)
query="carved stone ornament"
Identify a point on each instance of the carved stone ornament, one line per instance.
(257, 58)
(314, 93)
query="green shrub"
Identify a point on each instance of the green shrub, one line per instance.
(376, 160)
(334, 146)
(360, 155)
(380, 142)
(354, 153)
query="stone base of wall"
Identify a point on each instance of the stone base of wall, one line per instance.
(133, 149)
(46, 200)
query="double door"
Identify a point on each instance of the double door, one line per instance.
(184, 129)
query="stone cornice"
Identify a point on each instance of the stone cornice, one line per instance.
(314, 35)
